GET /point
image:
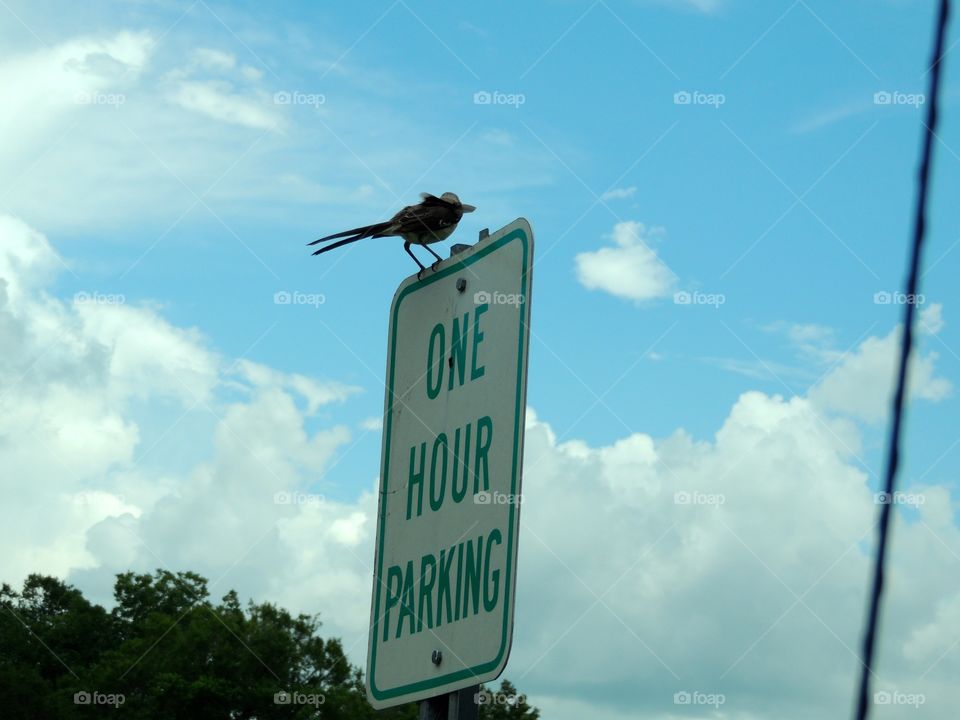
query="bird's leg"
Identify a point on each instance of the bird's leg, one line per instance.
(406, 246)
(439, 259)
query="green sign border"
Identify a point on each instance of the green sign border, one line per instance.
(520, 233)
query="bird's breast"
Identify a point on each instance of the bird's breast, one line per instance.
(428, 237)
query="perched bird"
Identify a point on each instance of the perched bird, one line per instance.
(431, 221)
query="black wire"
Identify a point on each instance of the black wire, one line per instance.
(893, 456)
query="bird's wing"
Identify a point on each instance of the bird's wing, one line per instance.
(423, 218)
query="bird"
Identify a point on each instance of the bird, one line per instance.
(432, 220)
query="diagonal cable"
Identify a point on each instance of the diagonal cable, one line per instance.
(893, 448)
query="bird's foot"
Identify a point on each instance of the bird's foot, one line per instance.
(434, 265)
(420, 273)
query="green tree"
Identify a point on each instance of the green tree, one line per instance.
(170, 652)
(507, 703)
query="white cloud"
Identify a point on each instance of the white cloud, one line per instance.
(766, 370)
(78, 384)
(372, 424)
(619, 193)
(218, 100)
(931, 319)
(216, 93)
(862, 382)
(28, 262)
(103, 134)
(42, 85)
(759, 597)
(315, 393)
(831, 116)
(630, 269)
(213, 59)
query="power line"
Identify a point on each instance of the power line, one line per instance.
(893, 455)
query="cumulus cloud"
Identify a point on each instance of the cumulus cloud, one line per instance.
(733, 564)
(630, 269)
(88, 389)
(862, 382)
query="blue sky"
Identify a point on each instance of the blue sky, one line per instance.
(151, 145)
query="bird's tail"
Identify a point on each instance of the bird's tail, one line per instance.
(339, 243)
(360, 232)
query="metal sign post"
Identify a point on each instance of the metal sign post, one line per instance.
(458, 705)
(441, 619)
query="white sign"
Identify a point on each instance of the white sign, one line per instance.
(441, 617)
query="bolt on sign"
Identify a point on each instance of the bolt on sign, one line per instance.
(441, 616)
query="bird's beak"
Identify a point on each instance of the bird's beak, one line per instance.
(467, 208)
